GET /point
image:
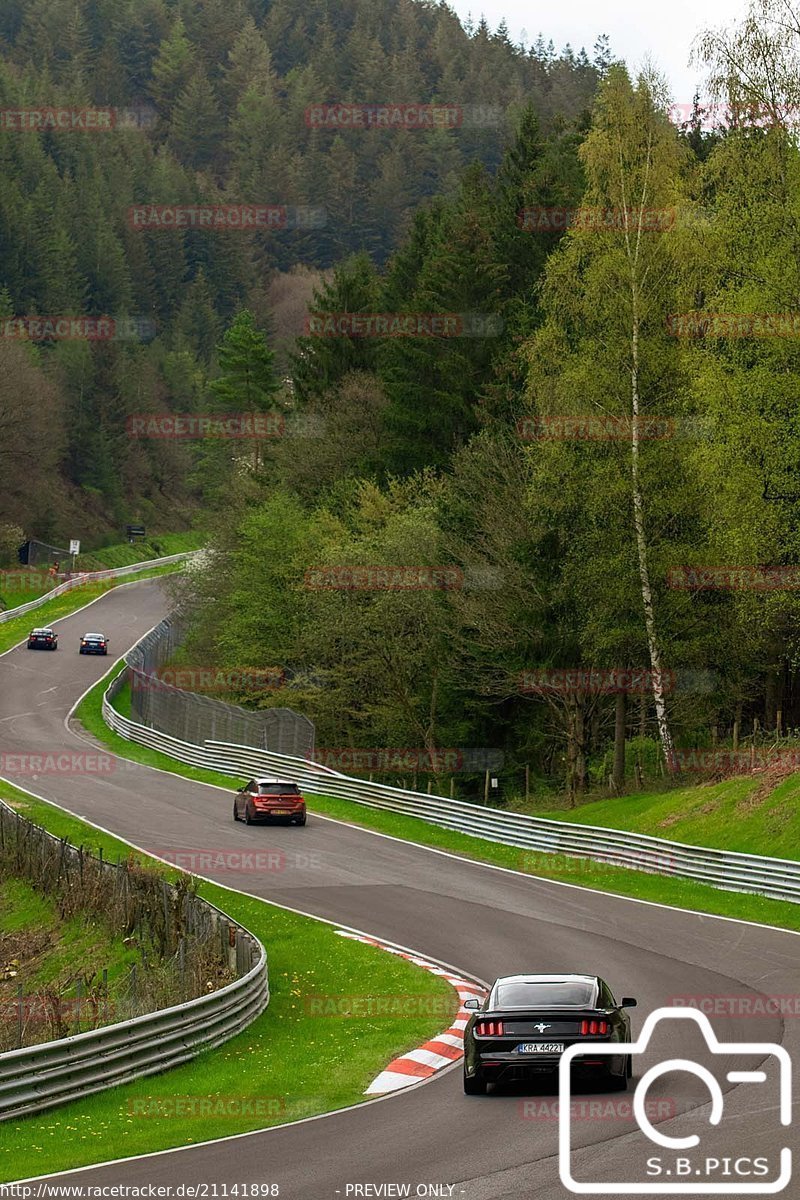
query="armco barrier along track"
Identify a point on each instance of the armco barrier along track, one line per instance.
(39, 1077)
(775, 877)
(70, 585)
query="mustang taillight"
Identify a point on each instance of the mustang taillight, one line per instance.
(594, 1027)
(489, 1028)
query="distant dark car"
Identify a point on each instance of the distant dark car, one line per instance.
(43, 639)
(528, 1021)
(266, 799)
(94, 643)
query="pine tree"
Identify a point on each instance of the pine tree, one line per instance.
(197, 127)
(173, 68)
(247, 384)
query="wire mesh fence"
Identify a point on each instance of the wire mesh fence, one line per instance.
(176, 946)
(196, 719)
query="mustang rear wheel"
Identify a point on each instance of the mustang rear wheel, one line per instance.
(474, 1085)
(235, 813)
(617, 1083)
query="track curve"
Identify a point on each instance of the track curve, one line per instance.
(482, 920)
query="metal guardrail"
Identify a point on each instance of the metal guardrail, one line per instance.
(194, 718)
(39, 1077)
(729, 870)
(77, 581)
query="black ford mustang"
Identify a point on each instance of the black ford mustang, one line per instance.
(528, 1021)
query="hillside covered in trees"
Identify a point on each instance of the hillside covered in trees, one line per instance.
(604, 485)
(212, 103)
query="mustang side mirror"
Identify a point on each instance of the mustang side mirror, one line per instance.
(472, 1003)
(628, 1002)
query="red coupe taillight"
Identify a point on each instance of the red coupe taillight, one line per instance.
(594, 1027)
(489, 1028)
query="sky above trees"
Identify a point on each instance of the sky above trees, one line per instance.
(665, 32)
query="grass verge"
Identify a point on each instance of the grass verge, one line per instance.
(288, 1064)
(52, 967)
(638, 885)
(747, 813)
(158, 545)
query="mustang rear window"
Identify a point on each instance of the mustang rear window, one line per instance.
(542, 995)
(279, 789)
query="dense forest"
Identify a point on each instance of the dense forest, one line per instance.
(530, 480)
(609, 475)
(212, 102)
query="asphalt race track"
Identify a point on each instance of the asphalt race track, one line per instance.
(483, 921)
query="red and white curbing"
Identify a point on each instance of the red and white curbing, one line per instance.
(443, 1050)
